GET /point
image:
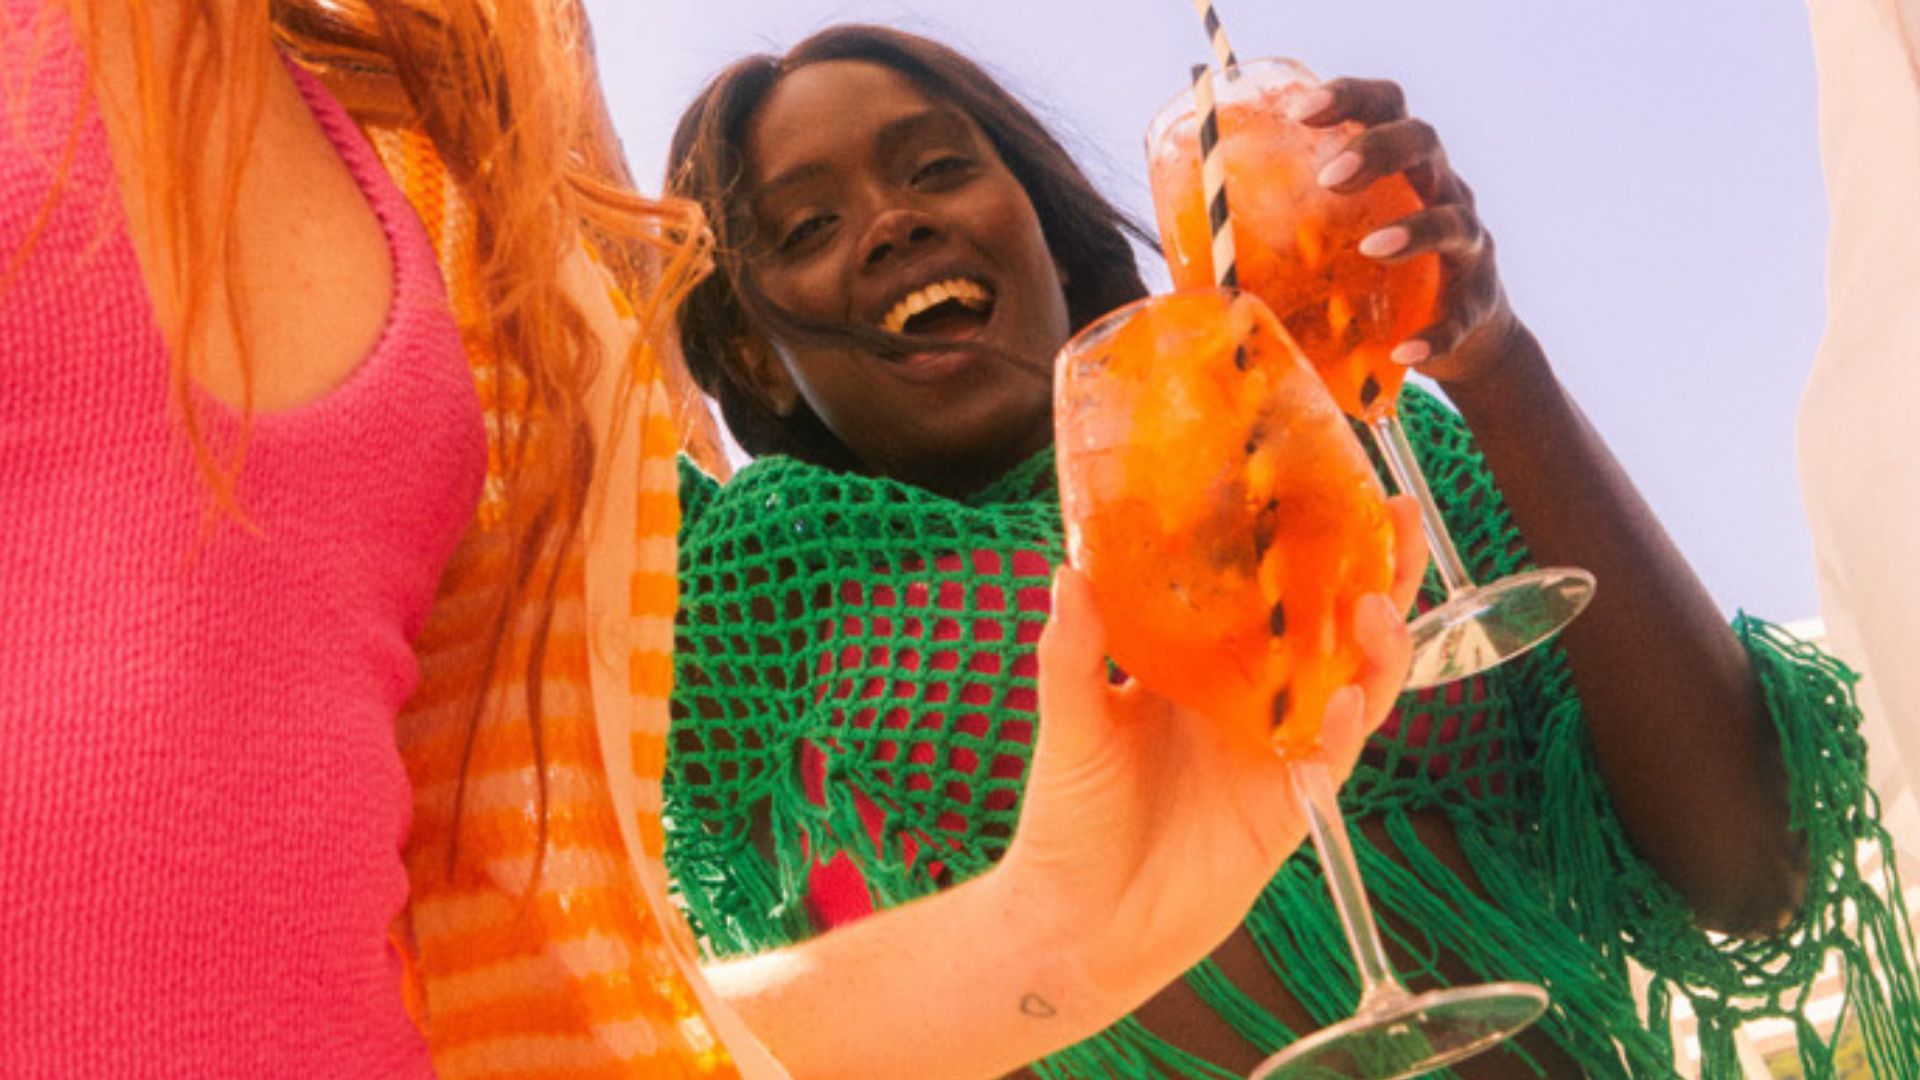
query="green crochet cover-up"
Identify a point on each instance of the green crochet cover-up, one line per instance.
(855, 674)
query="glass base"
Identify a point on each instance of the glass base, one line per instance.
(1400, 1034)
(1483, 626)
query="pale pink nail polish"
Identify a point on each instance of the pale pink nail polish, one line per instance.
(1309, 103)
(1384, 242)
(1340, 169)
(1411, 352)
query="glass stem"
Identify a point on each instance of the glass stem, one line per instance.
(1391, 438)
(1329, 831)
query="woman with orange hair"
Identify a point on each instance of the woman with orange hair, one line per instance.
(336, 462)
(243, 442)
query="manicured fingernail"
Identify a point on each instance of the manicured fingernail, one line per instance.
(1309, 103)
(1383, 609)
(1347, 702)
(1340, 169)
(1411, 352)
(1384, 242)
(1366, 614)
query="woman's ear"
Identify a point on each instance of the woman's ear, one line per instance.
(768, 376)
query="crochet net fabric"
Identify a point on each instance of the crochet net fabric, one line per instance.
(855, 674)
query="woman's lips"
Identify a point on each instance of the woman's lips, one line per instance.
(959, 293)
(930, 365)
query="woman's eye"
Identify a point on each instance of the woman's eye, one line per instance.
(940, 167)
(806, 230)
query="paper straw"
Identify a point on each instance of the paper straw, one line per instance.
(1216, 36)
(1213, 179)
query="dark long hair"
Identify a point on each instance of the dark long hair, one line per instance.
(1087, 235)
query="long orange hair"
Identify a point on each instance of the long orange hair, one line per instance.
(506, 91)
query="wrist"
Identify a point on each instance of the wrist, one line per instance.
(1060, 961)
(1516, 376)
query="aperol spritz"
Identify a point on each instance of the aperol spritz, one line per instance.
(1297, 249)
(1220, 507)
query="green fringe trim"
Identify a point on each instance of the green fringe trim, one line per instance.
(1622, 908)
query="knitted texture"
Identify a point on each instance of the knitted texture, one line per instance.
(855, 677)
(578, 972)
(201, 799)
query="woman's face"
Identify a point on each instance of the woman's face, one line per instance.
(874, 205)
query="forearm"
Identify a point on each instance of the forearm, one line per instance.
(955, 986)
(1680, 730)
(1146, 833)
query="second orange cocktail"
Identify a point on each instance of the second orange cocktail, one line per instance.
(1295, 240)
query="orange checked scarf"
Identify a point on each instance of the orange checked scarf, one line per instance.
(592, 972)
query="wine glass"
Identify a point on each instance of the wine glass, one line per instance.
(1296, 249)
(1227, 521)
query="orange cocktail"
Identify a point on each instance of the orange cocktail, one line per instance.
(1295, 241)
(1221, 508)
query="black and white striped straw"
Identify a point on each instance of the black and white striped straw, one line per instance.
(1213, 179)
(1216, 35)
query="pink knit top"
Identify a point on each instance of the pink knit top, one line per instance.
(202, 806)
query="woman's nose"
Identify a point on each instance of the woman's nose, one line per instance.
(894, 232)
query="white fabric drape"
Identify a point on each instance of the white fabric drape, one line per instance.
(1859, 456)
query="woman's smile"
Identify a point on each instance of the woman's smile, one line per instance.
(899, 218)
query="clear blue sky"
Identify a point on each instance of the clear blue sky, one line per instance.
(1650, 172)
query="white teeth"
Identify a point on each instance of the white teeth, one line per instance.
(968, 292)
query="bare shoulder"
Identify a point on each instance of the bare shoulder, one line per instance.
(309, 249)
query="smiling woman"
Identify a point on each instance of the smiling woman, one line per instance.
(857, 721)
(959, 154)
(888, 218)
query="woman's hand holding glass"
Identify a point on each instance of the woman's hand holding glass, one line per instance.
(1148, 831)
(1473, 326)
(1348, 221)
